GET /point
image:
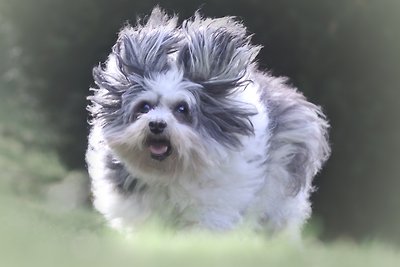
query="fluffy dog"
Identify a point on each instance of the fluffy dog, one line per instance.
(186, 128)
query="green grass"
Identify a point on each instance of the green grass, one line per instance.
(36, 233)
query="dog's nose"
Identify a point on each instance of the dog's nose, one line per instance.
(157, 127)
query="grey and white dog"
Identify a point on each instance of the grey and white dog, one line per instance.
(187, 129)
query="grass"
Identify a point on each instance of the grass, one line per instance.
(35, 233)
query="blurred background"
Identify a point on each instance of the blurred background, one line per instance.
(343, 55)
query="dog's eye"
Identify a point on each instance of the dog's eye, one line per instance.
(182, 108)
(144, 107)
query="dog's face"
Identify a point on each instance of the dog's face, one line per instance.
(166, 97)
(162, 115)
(160, 134)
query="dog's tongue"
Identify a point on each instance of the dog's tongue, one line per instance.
(158, 149)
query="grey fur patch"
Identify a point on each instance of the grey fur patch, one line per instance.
(222, 119)
(144, 50)
(217, 51)
(299, 132)
(122, 178)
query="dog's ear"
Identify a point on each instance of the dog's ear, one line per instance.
(139, 51)
(216, 52)
(144, 49)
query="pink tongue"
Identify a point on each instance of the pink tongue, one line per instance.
(158, 149)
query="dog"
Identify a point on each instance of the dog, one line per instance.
(186, 128)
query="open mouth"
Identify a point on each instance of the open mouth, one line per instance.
(159, 149)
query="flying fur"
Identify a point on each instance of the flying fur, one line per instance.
(242, 146)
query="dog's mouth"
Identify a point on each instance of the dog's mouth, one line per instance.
(159, 149)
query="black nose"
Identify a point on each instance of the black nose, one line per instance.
(157, 127)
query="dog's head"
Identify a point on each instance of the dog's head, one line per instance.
(166, 95)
